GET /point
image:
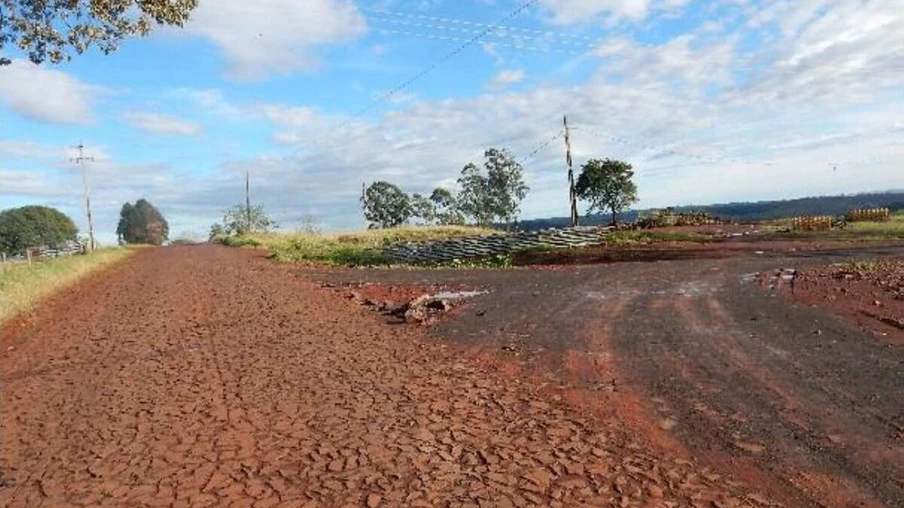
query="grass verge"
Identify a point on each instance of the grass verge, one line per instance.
(892, 228)
(363, 248)
(22, 286)
(646, 236)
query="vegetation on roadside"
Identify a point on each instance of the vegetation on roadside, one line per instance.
(27, 227)
(243, 219)
(892, 228)
(630, 237)
(23, 285)
(363, 248)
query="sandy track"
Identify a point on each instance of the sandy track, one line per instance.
(203, 376)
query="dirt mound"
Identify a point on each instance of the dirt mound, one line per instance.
(871, 293)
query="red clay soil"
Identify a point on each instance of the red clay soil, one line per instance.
(870, 293)
(206, 376)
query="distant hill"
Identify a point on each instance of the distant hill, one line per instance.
(753, 211)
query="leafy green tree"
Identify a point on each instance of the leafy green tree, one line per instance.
(474, 200)
(445, 207)
(423, 208)
(607, 185)
(34, 226)
(386, 205)
(240, 220)
(53, 29)
(141, 223)
(494, 193)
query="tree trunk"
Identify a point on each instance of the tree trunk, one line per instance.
(613, 216)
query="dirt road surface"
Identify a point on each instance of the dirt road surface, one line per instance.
(204, 376)
(698, 356)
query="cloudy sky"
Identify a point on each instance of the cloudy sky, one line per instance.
(711, 101)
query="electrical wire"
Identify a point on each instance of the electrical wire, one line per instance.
(430, 67)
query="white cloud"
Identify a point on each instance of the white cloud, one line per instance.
(262, 37)
(566, 12)
(16, 149)
(504, 78)
(46, 95)
(703, 119)
(162, 123)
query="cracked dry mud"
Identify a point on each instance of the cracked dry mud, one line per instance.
(203, 376)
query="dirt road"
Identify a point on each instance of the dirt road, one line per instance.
(695, 354)
(204, 376)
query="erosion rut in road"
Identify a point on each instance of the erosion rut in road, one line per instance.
(202, 376)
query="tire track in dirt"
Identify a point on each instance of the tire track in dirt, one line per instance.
(203, 376)
(744, 388)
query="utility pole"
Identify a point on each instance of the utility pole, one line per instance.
(248, 200)
(572, 197)
(80, 160)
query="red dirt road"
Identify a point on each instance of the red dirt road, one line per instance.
(204, 376)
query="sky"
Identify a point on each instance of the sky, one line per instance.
(710, 101)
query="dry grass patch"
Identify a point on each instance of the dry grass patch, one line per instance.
(22, 286)
(364, 248)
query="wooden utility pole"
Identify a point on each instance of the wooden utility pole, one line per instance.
(572, 197)
(80, 161)
(248, 200)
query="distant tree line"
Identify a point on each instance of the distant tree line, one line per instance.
(35, 226)
(755, 211)
(489, 194)
(492, 194)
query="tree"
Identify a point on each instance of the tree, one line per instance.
(423, 208)
(216, 231)
(607, 185)
(52, 29)
(34, 226)
(445, 207)
(494, 193)
(386, 205)
(141, 223)
(242, 219)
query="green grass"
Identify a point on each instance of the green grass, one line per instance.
(363, 248)
(893, 228)
(22, 286)
(647, 236)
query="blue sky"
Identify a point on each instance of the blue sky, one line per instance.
(710, 101)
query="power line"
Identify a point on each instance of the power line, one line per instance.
(454, 21)
(434, 65)
(520, 47)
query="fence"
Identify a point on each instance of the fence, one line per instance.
(868, 214)
(41, 253)
(812, 223)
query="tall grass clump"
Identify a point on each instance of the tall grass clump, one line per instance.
(22, 286)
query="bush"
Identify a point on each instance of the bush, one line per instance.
(34, 226)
